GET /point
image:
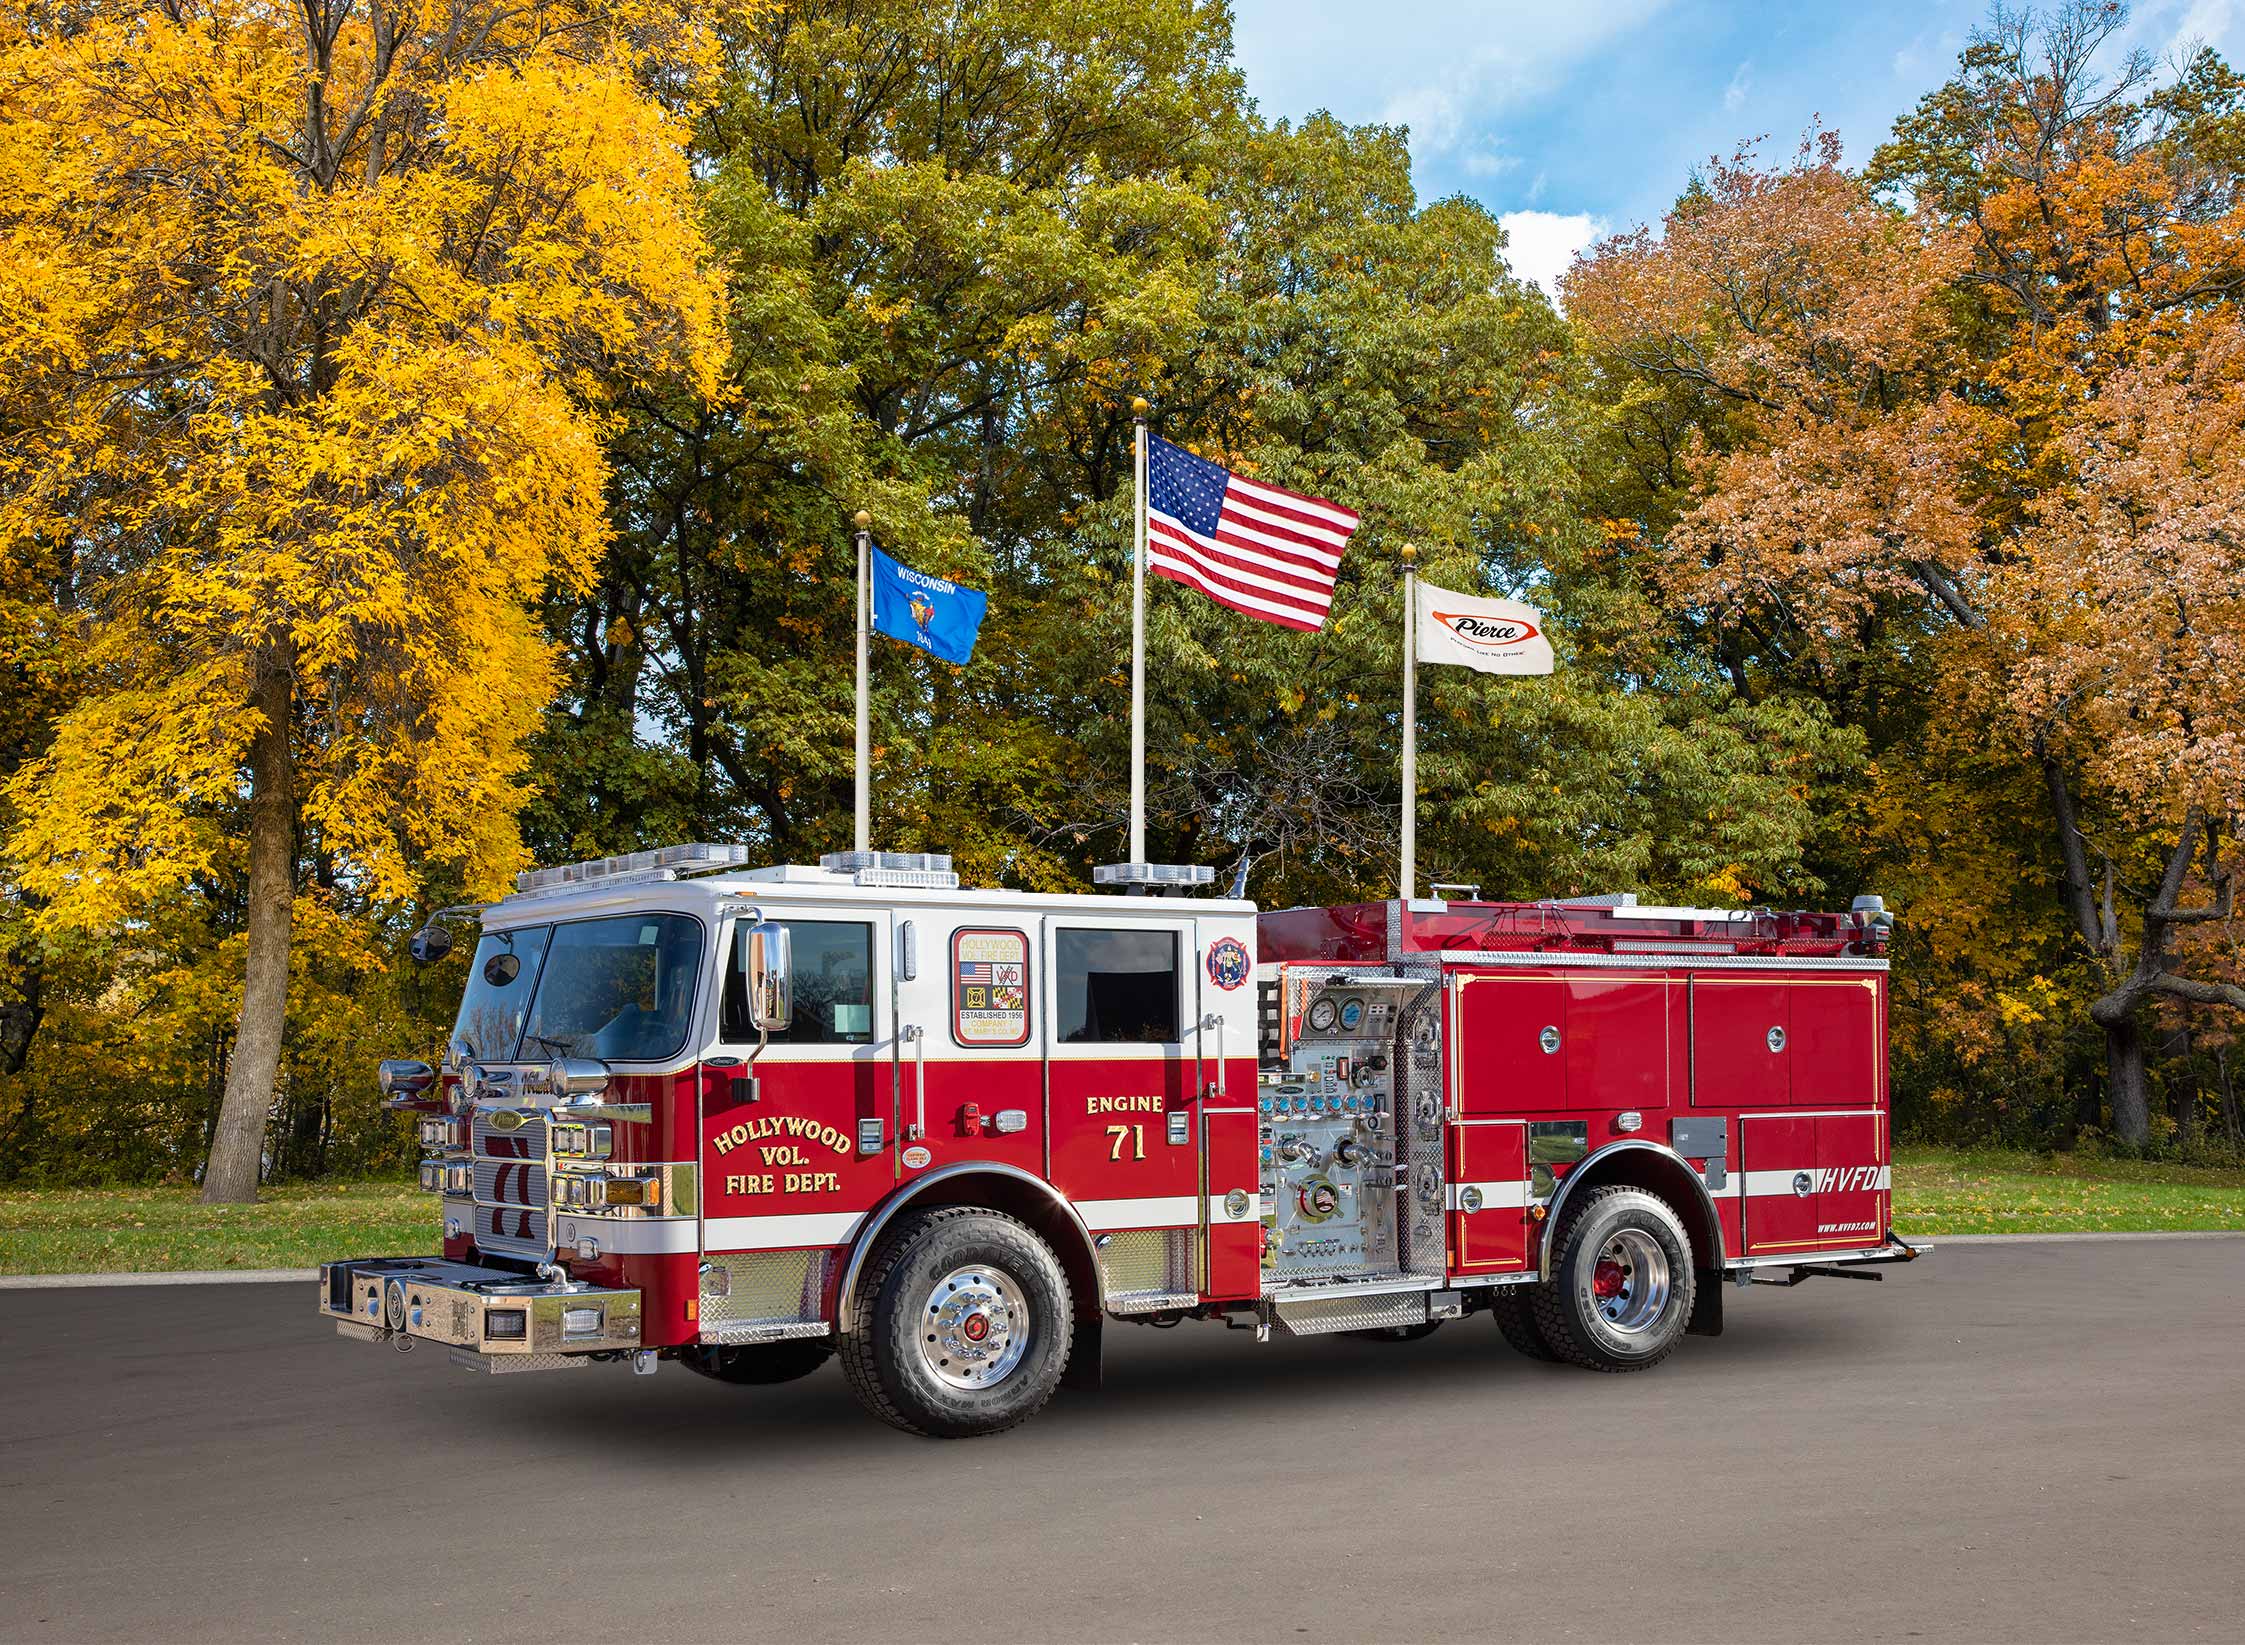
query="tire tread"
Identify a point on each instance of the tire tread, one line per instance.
(1550, 1301)
(859, 1352)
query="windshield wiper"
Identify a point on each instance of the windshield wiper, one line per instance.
(559, 1048)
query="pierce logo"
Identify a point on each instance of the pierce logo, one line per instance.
(1487, 633)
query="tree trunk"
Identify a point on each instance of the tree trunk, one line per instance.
(2125, 1085)
(238, 1144)
(2230, 1120)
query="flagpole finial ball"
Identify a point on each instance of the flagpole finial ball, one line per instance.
(1139, 408)
(863, 519)
(1410, 552)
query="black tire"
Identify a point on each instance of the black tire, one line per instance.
(758, 1365)
(1515, 1314)
(1417, 1332)
(904, 1372)
(1655, 1271)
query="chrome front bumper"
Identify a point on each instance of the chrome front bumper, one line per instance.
(493, 1319)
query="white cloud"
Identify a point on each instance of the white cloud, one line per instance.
(1540, 244)
(1734, 94)
(2203, 22)
(1445, 68)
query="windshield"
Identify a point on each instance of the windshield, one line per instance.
(619, 989)
(500, 979)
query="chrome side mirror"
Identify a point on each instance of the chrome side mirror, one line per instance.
(771, 978)
(404, 1077)
(430, 944)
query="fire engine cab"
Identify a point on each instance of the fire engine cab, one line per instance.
(753, 1118)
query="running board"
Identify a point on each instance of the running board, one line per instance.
(1319, 1316)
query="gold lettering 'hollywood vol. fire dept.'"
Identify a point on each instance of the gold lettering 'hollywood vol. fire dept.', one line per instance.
(790, 1125)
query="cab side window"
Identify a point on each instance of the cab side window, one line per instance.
(833, 965)
(1115, 987)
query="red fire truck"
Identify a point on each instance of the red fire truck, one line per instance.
(750, 1119)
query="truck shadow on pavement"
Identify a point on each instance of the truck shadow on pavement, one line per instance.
(1156, 1381)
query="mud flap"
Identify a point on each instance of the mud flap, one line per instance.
(1707, 1303)
(1083, 1355)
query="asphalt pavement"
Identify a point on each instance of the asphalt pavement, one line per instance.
(2036, 1442)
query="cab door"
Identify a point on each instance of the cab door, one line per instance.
(783, 1168)
(970, 1046)
(1122, 1047)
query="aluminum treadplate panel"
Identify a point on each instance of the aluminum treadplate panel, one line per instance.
(1315, 1316)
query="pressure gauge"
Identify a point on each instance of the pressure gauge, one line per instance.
(1352, 1013)
(1321, 1016)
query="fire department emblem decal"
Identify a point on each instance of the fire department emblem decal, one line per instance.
(1228, 963)
(1802, 1183)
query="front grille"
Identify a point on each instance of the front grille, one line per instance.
(511, 1185)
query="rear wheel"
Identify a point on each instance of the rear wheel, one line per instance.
(1621, 1290)
(961, 1326)
(1515, 1314)
(759, 1365)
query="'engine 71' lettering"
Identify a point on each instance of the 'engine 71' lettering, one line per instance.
(1124, 1105)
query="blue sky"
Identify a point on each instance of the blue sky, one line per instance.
(1574, 120)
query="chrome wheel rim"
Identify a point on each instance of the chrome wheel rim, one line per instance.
(974, 1327)
(1629, 1282)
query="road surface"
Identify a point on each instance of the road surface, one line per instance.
(2028, 1442)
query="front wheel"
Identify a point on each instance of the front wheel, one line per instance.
(962, 1325)
(1621, 1291)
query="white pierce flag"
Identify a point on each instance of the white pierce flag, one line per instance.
(1494, 636)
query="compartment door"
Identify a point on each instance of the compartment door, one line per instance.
(1742, 1055)
(1488, 1196)
(1617, 1041)
(1834, 1027)
(1851, 1180)
(1510, 1044)
(1777, 1175)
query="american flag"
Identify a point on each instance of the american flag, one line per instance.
(1270, 553)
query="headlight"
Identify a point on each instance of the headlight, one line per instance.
(432, 1175)
(459, 1177)
(590, 1141)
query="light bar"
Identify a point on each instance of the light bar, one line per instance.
(669, 861)
(1167, 874)
(927, 870)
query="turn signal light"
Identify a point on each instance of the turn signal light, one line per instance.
(502, 1323)
(632, 1190)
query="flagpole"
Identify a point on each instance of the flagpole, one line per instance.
(1410, 874)
(1138, 410)
(864, 732)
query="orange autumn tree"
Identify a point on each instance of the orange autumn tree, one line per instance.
(1922, 429)
(307, 316)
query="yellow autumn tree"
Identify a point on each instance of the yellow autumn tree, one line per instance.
(308, 314)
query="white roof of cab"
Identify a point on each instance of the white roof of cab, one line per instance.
(794, 883)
